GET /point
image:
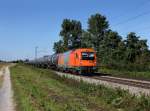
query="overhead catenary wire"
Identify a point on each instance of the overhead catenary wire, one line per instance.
(136, 16)
(132, 18)
(144, 28)
(136, 30)
(135, 8)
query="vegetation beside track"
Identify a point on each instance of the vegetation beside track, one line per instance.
(42, 90)
(1, 76)
(127, 74)
(1, 65)
(1, 81)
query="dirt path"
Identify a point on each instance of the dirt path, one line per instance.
(6, 101)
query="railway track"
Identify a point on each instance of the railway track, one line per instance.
(124, 81)
(129, 82)
(136, 87)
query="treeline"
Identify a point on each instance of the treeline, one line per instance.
(113, 51)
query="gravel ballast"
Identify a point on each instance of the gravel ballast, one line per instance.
(132, 89)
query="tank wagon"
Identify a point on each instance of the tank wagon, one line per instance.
(78, 61)
(54, 61)
(43, 62)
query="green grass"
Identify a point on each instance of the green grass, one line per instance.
(42, 90)
(39, 90)
(1, 81)
(1, 65)
(1, 77)
(127, 74)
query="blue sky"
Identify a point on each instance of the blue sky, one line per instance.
(25, 24)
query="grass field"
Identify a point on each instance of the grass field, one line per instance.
(1, 76)
(127, 74)
(1, 65)
(42, 90)
(1, 81)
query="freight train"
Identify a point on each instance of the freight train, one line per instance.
(79, 61)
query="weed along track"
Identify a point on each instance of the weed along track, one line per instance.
(37, 89)
(50, 93)
(137, 87)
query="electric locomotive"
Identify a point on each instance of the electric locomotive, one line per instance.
(78, 60)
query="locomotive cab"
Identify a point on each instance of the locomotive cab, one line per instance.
(87, 61)
(78, 60)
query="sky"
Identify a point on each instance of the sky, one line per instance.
(25, 24)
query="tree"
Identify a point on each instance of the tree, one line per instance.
(86, 40)
(71, 33)
(97, 26)
(142, 46)
(58, 47)
(144, 57)
(132, 48)
(135, 47)
(112, 47)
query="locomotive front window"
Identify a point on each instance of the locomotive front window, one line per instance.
(87, 55)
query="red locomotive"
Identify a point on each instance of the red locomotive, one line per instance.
(78, 60)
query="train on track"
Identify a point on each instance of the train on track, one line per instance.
(79, 61)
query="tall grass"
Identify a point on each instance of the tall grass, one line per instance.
(40, 90)
(124, 73)
(118, 98)
(43, 90)
(1, 80)
(1, 76)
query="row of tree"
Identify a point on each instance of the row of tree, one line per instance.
(112, 50)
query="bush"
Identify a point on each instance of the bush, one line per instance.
(127, 66)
